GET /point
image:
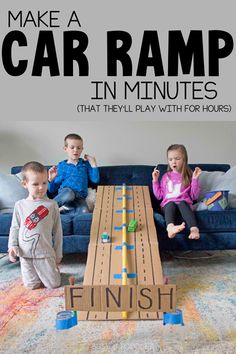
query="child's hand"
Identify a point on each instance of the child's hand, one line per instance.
(155, 175)
(52, 173)
(58, 260)
(196, 172)
(91, 160)
(12, 253)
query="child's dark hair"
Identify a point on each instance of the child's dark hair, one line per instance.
(33, 166)
(72, 136)
(186, 171)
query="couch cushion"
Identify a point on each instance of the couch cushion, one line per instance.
(82, 223)
(208, 241)
(67, 224)
(216, 221)
(11, 191)
(136, 175)
(208, 221)
(5, 224)
(203, 166)
(131, 175)
(75, 244)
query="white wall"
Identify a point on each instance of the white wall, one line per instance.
(117, 143)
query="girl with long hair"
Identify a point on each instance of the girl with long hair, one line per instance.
(178, 188)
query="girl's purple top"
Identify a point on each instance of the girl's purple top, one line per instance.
(170, 189)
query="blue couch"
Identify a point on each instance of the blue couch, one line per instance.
(218, 229)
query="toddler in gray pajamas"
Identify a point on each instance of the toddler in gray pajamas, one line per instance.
(36, 232)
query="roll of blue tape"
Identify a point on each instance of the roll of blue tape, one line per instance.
(173, 318)
(66, 320)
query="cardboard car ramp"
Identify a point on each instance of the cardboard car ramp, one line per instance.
(123, 277)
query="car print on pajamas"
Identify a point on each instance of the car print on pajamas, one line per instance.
(38, 214)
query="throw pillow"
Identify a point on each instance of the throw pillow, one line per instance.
(91, 199)
(228, 182)
(208, 182)
(11, 191)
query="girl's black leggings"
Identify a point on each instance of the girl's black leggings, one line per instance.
(170, 211)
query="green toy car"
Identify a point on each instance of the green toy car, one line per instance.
(132, 227)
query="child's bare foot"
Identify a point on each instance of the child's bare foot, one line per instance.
(194, 233)
(174, 229)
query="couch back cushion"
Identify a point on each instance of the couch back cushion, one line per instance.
(115, 175)
(138, 175)
(203, 166)
(131, 175)
(11, 191)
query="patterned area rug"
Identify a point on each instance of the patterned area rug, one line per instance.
(206, 293)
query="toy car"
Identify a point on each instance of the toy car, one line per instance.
(132, 225)
(105, 238)
(38, 214)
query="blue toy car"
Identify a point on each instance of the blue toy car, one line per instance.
(105, 238)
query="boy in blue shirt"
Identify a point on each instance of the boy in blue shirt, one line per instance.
(70, 177)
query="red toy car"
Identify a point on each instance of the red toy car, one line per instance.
(38, 214)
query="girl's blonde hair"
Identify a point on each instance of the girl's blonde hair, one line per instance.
(186, 171)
